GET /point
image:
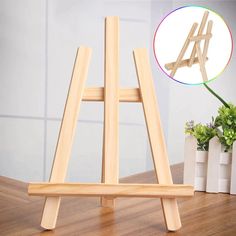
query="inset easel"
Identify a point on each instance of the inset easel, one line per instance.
(111, 94)
(201, 56)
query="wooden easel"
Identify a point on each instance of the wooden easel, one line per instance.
(111, 94)
(201, 55)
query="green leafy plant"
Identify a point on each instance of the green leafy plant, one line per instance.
(226, 126)
(223, 126)
(203, 134)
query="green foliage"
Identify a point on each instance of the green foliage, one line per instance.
(224, 127)
(226, 123)
(203, 133)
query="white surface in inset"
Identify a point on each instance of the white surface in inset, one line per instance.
(172, 33)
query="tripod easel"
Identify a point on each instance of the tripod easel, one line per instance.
(111, 94)
(201, 55)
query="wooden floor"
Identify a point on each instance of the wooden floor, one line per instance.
(204, 214)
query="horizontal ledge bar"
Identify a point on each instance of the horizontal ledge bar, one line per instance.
(112, 190)
(126, 95)
(170, 66)
(200, 37)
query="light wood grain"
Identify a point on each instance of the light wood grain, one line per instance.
(201, 62)
(125, 94)
(201, 56)
(170, 66)
(110, 164)
(183, 50)
(113, 190)
(206, 43)
(155, 133)
(203, 215)
(201, 37)
(201, 28)
(66, 135)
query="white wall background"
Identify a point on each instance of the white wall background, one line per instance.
(38, 41)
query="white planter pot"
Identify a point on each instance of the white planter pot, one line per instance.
(201, 170)
(225, 172)
(221, 169)
(213, 171)
(233, 171)
(195, 165)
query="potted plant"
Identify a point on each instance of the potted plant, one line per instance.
(210, 151)
(196, 153)
(220, 165)
(226, 124)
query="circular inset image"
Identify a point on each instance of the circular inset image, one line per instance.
(193, 45)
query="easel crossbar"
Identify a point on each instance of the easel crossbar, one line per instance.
(170, 66)
(114, 190)
(125, 95)
(200, 37)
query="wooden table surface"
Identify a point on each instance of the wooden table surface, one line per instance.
(204, 214)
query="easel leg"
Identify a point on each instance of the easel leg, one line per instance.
(156, 137)
(110, 166)
(183, 50)
(201, 28)
(66, 134)
(206, 43)
(201, 62)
